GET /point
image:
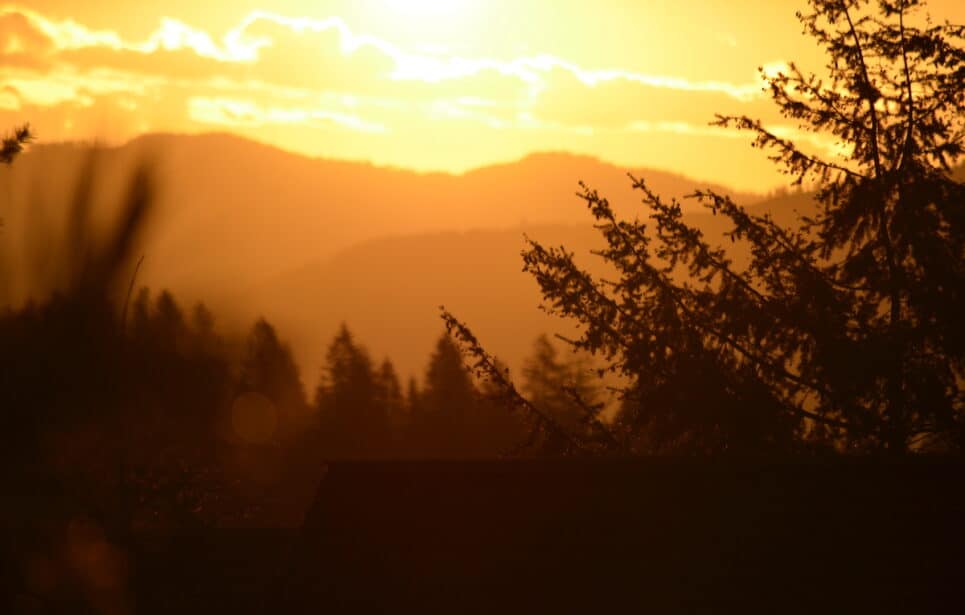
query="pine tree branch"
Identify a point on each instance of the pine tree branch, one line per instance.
(485, 367)
(905, 149)
(866, 91)
(15, 143)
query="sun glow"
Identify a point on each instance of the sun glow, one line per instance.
(411, 82)
(428, 8)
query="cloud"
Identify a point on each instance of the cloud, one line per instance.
(330, 54)
(248, 113)
(612, 103)
(67, 85)
(171, 34)
(273, 73)
(21, 36)
(9, 99)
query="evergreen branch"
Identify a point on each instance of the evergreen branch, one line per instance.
(15, 142)
(484, 365)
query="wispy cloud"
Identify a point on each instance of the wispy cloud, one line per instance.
(246, 42)
(171, 34)
(280, 73)
(239, 112)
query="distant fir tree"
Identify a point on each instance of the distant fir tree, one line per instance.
(843, 330)
(390, 397)
(353, 422)
(441, 427)
(454, 418)
(179, 371)
(413, 397)
(269, 368)
(169, 326)
(202, 320)
(562, 385)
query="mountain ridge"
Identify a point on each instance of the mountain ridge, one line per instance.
(254, 230)
(225, 199)
(141, 140)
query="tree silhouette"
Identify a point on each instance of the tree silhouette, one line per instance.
(178, 371)
(268, 368)
(499, 433)
(202, 320)
(354, 423)
(843, 329)
(562, 386)
(169, 326)
(389, 396)
(14, 143)
(413, 397)
(453, 418)
(441, 425)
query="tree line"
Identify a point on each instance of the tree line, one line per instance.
(252, 392)
(142, 408)
(150, 412)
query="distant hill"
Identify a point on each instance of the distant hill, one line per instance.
(234, 211)
(389, 292)
(309, 243)
(389, 289)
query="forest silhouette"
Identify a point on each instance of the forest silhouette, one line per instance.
(818, 328)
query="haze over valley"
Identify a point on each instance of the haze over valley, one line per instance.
(252, 230)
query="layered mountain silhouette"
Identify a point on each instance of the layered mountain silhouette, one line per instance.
(254, 230)
(390, 289)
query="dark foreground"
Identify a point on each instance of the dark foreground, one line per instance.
(655, 536)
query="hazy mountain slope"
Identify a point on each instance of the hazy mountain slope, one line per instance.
(233, 212)
(389, 290)
(311, 243)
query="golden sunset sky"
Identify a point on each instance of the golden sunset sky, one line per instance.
(428, 85)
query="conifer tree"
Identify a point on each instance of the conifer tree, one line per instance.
(168, 320)
(561, 385)
(202, 320)
(354, 423)
(390, 398)
(843, 329)
(442, 427)
(268, 368)
(413, 397)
